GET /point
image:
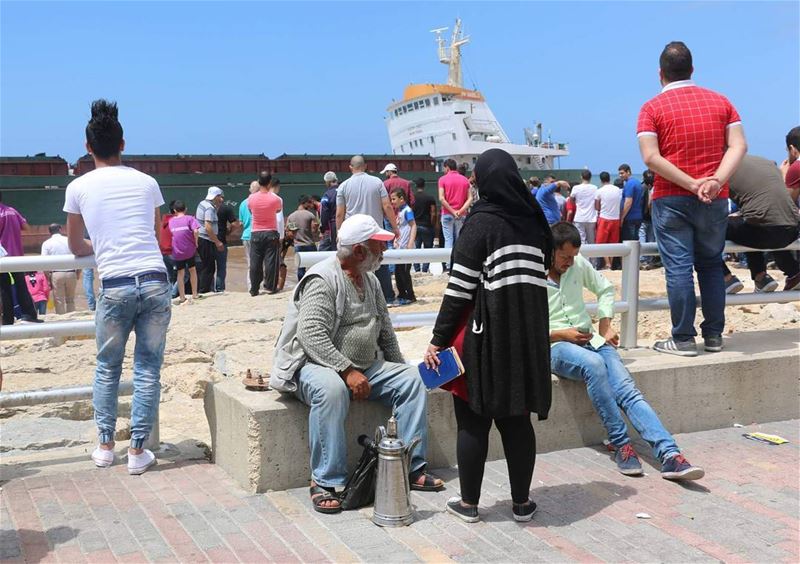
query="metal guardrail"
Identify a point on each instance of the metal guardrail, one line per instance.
(628, 306)
(58, 329)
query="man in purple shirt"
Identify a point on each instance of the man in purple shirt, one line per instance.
(12, 224)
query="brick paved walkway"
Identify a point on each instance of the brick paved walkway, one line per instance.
(745, 510)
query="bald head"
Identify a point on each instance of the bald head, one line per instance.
(254, 186)
(357, 163)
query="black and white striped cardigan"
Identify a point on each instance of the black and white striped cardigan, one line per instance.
(499, 277)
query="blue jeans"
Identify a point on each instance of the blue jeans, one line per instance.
(451, 227)
(630, 230)
(690, 234)
(384, 276)
(41, 307)
(222, 269)
(323, 390)
(146, 310)
(88, 287)
(172, 273)
(303, 249)
(611, 388)
(646, 235)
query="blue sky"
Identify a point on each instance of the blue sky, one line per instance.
(302, 77)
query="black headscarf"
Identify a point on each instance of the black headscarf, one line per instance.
(504, 193)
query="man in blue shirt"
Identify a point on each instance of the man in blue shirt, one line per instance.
(631, 215)
(546, 196)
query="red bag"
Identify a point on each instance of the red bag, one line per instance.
(458, 386)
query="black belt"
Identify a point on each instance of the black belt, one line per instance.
(154, 276)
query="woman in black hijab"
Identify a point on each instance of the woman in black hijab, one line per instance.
(495, 310)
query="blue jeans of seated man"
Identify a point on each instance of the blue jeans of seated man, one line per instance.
(146, 311)
(88, 287)
(690, 234)
(611, 389)
(323, 390)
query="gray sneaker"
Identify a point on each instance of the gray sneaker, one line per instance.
(734, 285)
(679, 348)
(713, 343)
(767, 284)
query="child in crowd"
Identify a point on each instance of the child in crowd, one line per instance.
(39, 289)
(407, 240)
(185, 231)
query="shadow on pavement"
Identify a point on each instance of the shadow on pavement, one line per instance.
(565, 504)
(40, 543)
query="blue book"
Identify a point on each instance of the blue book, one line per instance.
(450, 368)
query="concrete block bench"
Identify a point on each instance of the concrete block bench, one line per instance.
(261, 438)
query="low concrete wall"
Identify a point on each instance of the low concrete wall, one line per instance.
(261, 438)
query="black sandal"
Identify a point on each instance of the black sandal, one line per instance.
(429, 484)
(320, 494)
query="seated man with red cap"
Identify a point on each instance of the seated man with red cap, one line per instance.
(337, 345)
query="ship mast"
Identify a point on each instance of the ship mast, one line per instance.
(451, 56)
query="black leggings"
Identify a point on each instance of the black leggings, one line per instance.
(519, 445)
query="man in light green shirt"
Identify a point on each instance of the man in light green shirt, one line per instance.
(580, 354)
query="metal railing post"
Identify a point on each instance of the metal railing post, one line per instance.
(629, 324)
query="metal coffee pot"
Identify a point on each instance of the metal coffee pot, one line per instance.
(392, 491)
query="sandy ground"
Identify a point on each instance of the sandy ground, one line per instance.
(223, 335)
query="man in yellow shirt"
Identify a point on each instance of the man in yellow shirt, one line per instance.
(579, 354)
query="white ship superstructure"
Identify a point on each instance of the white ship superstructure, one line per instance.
(450, 121)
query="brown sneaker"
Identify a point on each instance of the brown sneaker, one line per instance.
(792, 283)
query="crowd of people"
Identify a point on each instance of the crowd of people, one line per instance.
(513, 306)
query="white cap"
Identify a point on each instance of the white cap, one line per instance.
(388, 167)
(330, 176)
(213, 192)
(360, 228)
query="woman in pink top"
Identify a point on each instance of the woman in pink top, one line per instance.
(39, 289)
(264, 237)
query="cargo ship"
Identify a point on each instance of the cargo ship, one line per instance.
(432, 123)
(449, 121)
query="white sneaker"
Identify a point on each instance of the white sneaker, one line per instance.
(102, 458)
(139, 463)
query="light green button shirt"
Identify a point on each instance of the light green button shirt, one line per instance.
(567, 308)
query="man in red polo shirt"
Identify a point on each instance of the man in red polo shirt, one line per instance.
(455, 199)
(692, 138)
